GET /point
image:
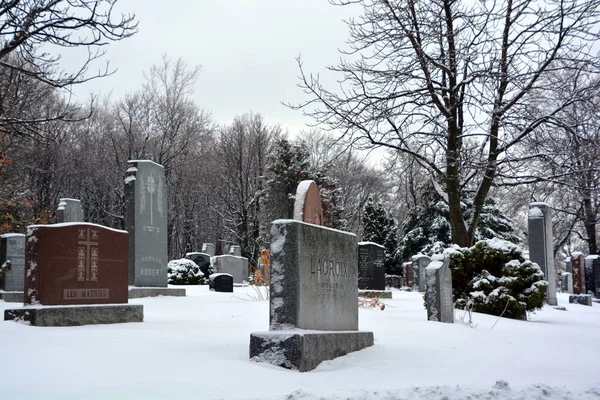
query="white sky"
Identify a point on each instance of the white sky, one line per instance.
(247, 49)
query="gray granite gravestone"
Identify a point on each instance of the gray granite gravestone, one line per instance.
(146, 222)
(440, 307)
(208, 248)
(313, 305)
(420, 263)
(69, 210)
(12, 248)
(371, 272)
(235, 266)
(568, 264)
(540, 245)
(235, 251)
(590, 281)
(583, 299)
(567, 282)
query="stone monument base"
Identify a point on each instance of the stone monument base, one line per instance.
(304, 350)
(583, 299)
(375, 294)
(12, 297)
(139, 292)
(76, 315)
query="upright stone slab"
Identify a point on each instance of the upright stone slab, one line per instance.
(12, 248)
(76, 264)
(235, 251)
(540, 245)
(146, 222)
(596, 269)
(371, 272)
(568, 265)
(440, 307)
(577, 263)
(409, 275)
(313, 305)
(307, 206)
(420, 263)
(590, 281)
(208, 248)
(567, 282)
(237, 267)
(69, 210)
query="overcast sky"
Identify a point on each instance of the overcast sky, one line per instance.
(247, 49)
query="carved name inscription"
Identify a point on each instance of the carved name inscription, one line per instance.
(328, 267)
(76, 294)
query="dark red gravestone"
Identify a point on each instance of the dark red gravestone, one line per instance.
(307, 207)
(578, 272)
(408, 275)
(76, 263)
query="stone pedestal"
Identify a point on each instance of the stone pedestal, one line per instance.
(12, 297)
(75, 316)
(583, 299)
(375, 294)
(139, 292)
(540, 245)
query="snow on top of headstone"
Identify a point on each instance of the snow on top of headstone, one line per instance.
(535, 212)
(10, 235)
(592, 257)
(370, 243)
(131, 169)
(230, 256)
(63, 224)
(301, 193)
(437, 264)
(65, 199)
(576, 254)
(130, 178)
(502, 245)
(419, 255)
(539, 204)
(213, 276)
(282, 221)
(195, 253)
(144, 161)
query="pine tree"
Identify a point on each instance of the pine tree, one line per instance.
(379, 227)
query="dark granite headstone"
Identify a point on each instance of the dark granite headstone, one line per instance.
(590, 281)
(75, 264)
(146, 222)
(540, 245)
(371, 272)
(596, 269)
(221, 282)
(440, 307)
(202, 260)
(583, 299)
(12, 248)
(578, 272)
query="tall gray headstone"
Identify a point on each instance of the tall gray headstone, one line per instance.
(69, 210)
(567, 282)
(540, 245)
(313, 297)
(146, 222)
(235, 250)
(568, 264)
(420, 263)
(440, 307)
(13, 249)
(208, 248)
(233, 265)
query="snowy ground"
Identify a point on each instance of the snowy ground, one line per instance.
(197, 348)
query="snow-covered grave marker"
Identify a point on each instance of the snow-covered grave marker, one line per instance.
(540, 245)
(69, 210)
(420, 263)
(208, 248)
(146, 222)
(578, 273)
(12, 248)
(440, 307)
(313, 292)
(75, 264)
(236, 266)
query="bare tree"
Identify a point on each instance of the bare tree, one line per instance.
(452, 84)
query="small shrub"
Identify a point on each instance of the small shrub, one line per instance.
(184, 272)
(494, 278)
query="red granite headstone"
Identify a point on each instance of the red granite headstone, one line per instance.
(308, 206)
(578, 272)
(76, 263)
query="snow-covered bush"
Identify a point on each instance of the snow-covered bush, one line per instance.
(184, 272)
(494, 278)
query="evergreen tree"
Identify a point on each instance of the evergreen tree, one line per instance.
(379, 227)
(427, 228)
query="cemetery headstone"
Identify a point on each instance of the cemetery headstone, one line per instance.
(577, 264)
(313, 305)
(421, 261)
(69, 210)
(596, 269)
(146, 222)
(202, 260)
(583, 299)
(540, 245)
(235, 251)
(208, 248)
(307, 206)
(440, 307)
(590, 281)
(371, 272)
(221, 282)
(567, 282)
(568, 264)
(76, 264)
(408, 275)
(12, 248)
(237, 267)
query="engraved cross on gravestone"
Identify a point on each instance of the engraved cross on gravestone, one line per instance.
(87, 266)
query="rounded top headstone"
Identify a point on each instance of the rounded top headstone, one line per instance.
(307, 207)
